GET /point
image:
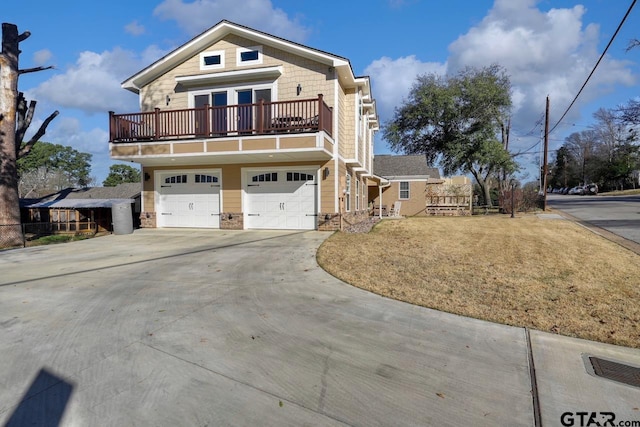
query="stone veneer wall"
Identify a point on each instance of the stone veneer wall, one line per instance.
(333, 223)
(147, 220)
(231, 221)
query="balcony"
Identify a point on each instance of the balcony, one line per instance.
(262, 118)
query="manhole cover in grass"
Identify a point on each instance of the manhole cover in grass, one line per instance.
(615, 371)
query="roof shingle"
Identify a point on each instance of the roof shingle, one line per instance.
(388, 166)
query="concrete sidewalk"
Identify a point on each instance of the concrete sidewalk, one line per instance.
(212, 327)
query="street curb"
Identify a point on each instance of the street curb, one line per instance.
(621, 241)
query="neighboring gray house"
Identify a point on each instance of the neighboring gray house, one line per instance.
(81, 210)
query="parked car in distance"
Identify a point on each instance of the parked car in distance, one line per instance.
(579, 190)
(591, 189)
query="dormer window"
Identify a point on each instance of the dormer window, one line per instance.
(249, 55)
(212, 60)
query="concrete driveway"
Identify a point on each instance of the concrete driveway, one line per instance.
(209, 328)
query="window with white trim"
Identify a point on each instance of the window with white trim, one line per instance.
(347, 194)
(249, 55)
(359, 108)
(404, 190)
(357, 195)
(212, 60)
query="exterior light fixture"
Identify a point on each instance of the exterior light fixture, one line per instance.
(168, 99)
(298, 89)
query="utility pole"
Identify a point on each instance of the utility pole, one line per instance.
(546, 152)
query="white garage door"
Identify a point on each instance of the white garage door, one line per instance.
(281, 199)
(189, 199)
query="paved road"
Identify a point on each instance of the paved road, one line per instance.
(208, 328)
(617, 214)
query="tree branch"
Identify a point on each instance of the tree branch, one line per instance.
(35, 69)
(24, 36)
(21, 116)
(43, 128)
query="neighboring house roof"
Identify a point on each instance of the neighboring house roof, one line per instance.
(399, 167)
(92, 197)
(223, 28)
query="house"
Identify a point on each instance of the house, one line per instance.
(79, 210)
(404, 179)
(240, 129)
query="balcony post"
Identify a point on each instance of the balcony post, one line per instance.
(112, 126)
(208, 115)
(320, 112)
(156, 118)
(260, 116)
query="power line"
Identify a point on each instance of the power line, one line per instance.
(633, 3)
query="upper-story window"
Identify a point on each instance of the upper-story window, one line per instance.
(359, 112)
(212, 60)
(249, 55)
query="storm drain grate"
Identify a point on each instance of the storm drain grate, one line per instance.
(616, 371)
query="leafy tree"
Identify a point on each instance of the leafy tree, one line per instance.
(15, 119)
(119, 174)
(457, 121)
(52, 167)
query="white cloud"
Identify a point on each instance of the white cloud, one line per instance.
(92, 84)
(391, 80)
(134, 28)
(199, 15)
(545, 53)
(41, 57)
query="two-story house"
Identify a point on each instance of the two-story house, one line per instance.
(240, 129)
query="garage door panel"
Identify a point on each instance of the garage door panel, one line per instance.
(279, 203)
(192, 202)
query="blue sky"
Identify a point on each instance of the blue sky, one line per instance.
(548, 48)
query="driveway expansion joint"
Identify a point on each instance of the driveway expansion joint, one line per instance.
(244, 383)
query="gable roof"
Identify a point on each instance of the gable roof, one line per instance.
(222, 29)
(408, 166)
(91, 197)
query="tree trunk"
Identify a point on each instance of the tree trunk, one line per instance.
(15, 118)
(10, 225)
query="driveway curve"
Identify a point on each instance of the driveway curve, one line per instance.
(212, 327)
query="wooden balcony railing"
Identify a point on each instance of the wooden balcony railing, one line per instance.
(307, 115)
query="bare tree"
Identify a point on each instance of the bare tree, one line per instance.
(15, 118)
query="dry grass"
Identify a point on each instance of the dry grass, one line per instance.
(550, 275)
